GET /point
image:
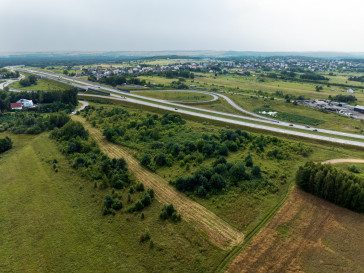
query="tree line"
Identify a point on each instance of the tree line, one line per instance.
(66, 97)
(28, 81)
(7, 74)
(337, 186)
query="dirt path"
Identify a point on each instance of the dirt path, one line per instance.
(307, 234)
(343, 160)
(218, 231)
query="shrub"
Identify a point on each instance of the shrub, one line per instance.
(169, 212)
(145, 236)
(5, 144)
(249, 160)
(117, 205)
(354, 169)
(237, 173)
(161, 159)
(140, 187)
(145, 161)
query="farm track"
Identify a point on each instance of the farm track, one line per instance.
(218, 231)
(343, 160)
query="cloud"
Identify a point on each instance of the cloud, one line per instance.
(111, 25)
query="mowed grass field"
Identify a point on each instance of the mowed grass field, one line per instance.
(52, 222)
(308, 234)
(174, 95)
(42, 85)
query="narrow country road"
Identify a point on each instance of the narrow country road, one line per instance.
(343, 160)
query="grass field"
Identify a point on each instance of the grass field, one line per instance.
(174, 95)
(42, 85)
(307, 235)
(331, 121)
(346, 167)
(52, 222)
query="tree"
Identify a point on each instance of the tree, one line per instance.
(237, 173)
(249, 160)
(5, 144)
(145, 161)
(217, 182)
(256, 171)
(108, 201)
(161, 159)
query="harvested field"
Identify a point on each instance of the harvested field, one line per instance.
(307, 235)
(218, 231)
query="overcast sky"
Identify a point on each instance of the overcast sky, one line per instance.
(117, 25)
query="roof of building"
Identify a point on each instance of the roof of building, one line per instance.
(16, 105)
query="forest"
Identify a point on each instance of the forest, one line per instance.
(332, 184)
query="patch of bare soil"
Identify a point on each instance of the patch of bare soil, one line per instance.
(218, 231)
(308, 234)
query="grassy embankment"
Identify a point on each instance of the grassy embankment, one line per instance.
(174, 95)
(42, 85)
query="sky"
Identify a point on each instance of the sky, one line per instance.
(157, 25)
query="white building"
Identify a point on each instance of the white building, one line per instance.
(351, 91)
(26, 103)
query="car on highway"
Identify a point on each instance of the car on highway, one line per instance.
(291, 124)
(315, 130)
(175, 109)
(307, 126)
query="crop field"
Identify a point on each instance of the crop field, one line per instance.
(307, 235)
(52, 221)
(174, 95)
(42, 85)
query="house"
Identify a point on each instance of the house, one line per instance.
(351, 91)
(16, 106)
(26, 103)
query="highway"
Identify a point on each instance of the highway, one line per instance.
(172, 106)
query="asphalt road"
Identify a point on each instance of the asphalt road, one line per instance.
(207, 113)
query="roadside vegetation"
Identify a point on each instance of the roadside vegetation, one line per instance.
(33, 83)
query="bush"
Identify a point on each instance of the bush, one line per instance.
(169, 212)
(256, 171)
(249, 160)
(145, 236)
(109, 201)
(161, 159)
(237, 173)
(354, 169)
(117, 205)
(145, 161)
(5, 144)
(140, 187)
